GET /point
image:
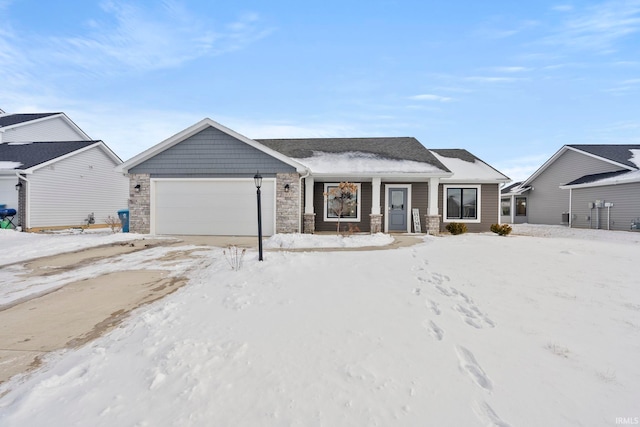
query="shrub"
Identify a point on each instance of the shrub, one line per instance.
(234, 256)
(456, 228)
(501, 229)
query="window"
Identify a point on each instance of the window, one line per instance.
(341, 204)
(506, 207)
(462, 204)
(521, 206)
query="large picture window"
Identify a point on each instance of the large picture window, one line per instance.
(462, 203)
(341, 204)
(506, 207)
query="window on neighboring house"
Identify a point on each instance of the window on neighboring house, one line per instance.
(521, 206)
(506, 207)
(462, 203)
(342, 205)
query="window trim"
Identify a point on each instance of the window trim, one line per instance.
(478, 218)
(325, 201)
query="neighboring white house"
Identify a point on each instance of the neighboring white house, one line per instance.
(62, 177)
(31, 127)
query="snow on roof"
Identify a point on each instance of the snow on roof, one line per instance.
(610, 178)
(466, 170)
(4, 165)
(358, 162)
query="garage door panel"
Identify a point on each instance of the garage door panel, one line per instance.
(212, 207)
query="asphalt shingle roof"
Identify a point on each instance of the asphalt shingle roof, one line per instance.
(394, 148)
(34, 153)
(617, 153)
(596, 177)
(13, 119)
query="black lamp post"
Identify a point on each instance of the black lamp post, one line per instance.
(258, 180)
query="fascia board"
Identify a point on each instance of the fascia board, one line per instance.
(600, 184)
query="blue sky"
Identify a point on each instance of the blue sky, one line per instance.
(509, 81)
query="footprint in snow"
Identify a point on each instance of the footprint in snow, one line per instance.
(433, 306)
(487, 415)
(469, 365)
(435, 331)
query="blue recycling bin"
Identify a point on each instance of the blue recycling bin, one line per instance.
(123, 214)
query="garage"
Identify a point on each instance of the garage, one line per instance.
(219, 207)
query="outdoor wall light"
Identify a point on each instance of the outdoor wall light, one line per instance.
(286, 188)
(137, 188)
(18, 186)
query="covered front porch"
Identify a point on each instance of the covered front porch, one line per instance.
(390, 204)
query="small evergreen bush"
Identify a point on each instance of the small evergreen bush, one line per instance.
(501, 229)
(456, 228)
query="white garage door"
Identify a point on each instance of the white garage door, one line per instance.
(214, 207)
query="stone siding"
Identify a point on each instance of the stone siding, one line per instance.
(140, 204)
(287, 203)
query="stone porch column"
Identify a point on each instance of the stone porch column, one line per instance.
(375, 216)
(309, 218)
(433, 218)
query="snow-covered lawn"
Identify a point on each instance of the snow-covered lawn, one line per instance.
(469, 330)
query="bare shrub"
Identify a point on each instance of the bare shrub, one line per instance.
(234, 256)
(113, 223)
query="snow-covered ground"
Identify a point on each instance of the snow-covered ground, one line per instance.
(477, 329)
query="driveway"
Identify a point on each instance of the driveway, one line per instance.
(78, 311)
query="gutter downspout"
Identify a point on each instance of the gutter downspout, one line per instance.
(570, 206)
(300, 207)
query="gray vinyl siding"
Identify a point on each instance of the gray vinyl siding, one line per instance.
(66, 192)
(626, 206)
(8, 193)
(489, 197)
(546, 201)
(211, 153)
(55, 129)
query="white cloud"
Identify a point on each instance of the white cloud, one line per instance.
(510, 69)
(128, 37)
(562, 8)
(493, 79)
(431, 97)
(600, 27)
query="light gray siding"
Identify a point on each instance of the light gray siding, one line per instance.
(546, 201)
(67, 191)
(626, 206)
(54, 129)
(211, 153)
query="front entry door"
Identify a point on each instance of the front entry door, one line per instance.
(397, 201)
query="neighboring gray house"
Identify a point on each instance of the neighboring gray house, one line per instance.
(584, 186)
(30, 127)
(200, 181)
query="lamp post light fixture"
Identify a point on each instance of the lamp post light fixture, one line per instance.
(258, 181)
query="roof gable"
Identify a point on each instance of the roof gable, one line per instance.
(617, 155)
(24, 156)
(467, 167)
(195, 129)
